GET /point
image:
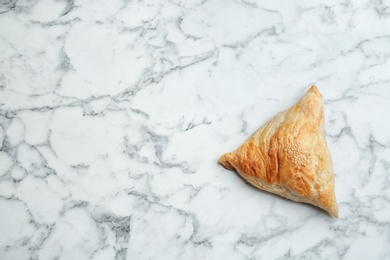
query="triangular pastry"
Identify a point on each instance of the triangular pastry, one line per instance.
(289, 156)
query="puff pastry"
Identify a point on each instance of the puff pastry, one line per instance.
(289, 155)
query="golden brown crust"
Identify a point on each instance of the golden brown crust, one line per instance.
(289, 156)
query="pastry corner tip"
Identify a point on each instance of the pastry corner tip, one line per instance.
(315, 90)
(334, 210)
(224, 161)
(335, 214)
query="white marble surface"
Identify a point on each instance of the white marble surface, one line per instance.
(114, 113)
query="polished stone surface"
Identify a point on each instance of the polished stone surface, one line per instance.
(113, 115)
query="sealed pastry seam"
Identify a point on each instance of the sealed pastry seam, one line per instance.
(289, 156)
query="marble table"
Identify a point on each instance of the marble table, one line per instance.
(113, 115)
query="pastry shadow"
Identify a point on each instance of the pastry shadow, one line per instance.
(315, 209)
